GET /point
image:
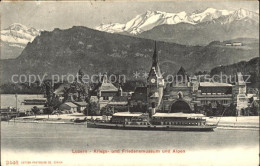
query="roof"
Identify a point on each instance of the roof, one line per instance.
(63, 107)
(214, 84)
(155, 94)
(251, 95)
(108, 87)
(104, 85)
(177, 115)
(129, 114)
(60, 89)
(119, 100)
(82, 103)
(155, 64)
(36, 99)
(70, 104)
(181, 72)
(155, 71)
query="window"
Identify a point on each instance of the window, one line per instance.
(203, 102)
(224, 101)
(105, 97)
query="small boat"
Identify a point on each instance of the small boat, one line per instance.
(80, 120)
(159, 121)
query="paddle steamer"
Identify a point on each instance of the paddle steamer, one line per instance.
(159, 121)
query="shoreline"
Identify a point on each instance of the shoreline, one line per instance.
(245, 122)
(235, 122)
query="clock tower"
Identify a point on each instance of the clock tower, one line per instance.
(155, 84)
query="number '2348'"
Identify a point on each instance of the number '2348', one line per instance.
(11, 162)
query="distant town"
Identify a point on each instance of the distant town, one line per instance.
(184, 93)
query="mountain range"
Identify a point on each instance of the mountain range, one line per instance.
(14, 39)
(196, 28)
(64, 52)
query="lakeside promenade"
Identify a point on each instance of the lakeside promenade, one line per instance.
(232, 122)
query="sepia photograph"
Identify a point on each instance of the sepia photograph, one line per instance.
(122, 83)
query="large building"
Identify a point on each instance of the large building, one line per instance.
(213, 93)
(104, 92)
(107, 95)
(149, 98)
(180, 92)
(185, 92)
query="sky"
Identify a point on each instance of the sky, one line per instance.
(63, 15)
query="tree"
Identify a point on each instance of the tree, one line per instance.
(208, 109)
(253, 111)
(196, 109)
(91, 109)
(48, 90)
(106, 111)
(48, 111)
(231, 110)
(66, 92)
(219, 109)
(55, 103)
(78, 89)
(35, 110)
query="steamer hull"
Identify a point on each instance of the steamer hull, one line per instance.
(150, 127)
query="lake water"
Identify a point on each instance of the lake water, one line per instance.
(63, 138)
(9, 100)
(47, 137)
(30, 142)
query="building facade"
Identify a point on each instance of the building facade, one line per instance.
(185, 93)
(104, 92)
(240, 94)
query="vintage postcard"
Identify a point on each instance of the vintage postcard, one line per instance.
(129, 83)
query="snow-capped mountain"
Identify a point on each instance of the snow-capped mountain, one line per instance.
(209, 14)
(151, 19)
(145, 22)
(14, 39)
(18, 35)
(242, 14)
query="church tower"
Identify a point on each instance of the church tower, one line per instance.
(155, 84)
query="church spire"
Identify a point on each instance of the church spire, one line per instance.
(155, 64)
(155, 56)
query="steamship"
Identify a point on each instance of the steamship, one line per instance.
(159, 121)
